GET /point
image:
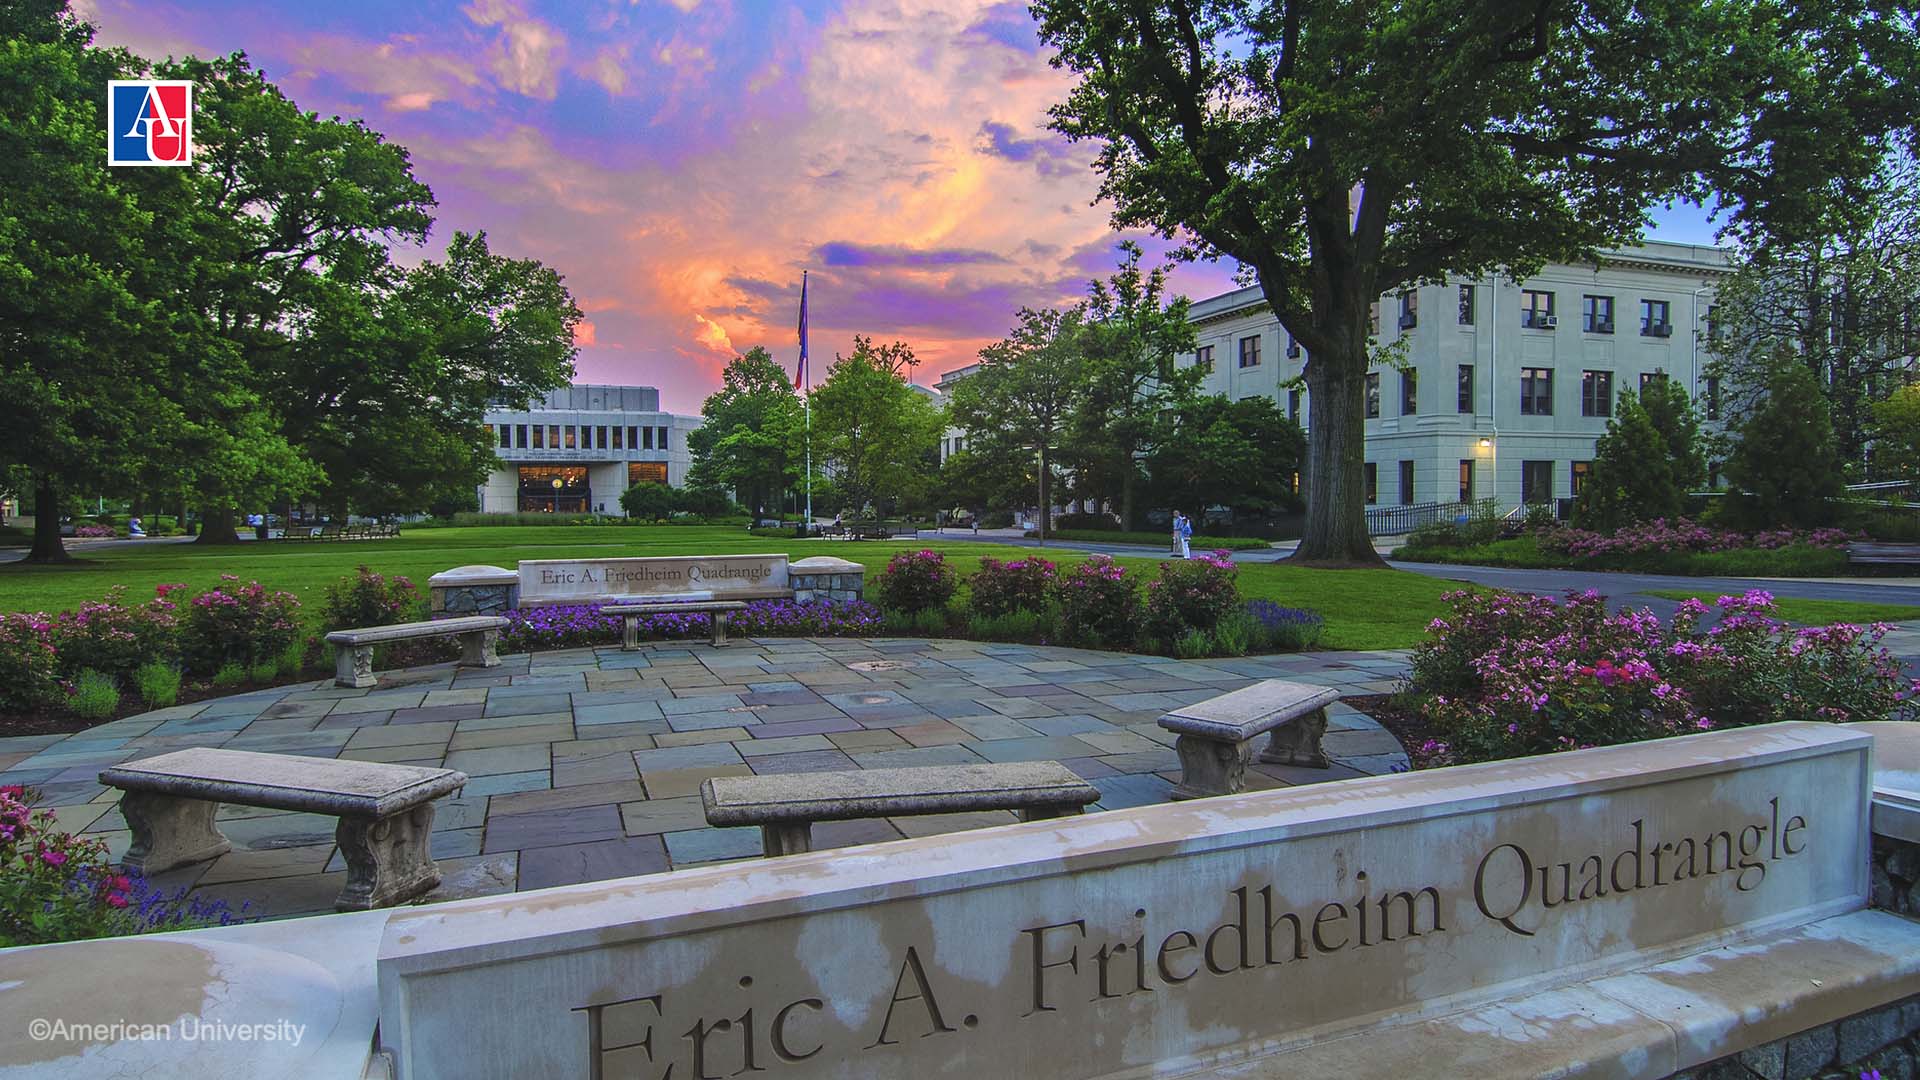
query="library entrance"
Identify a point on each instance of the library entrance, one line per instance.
(554, 489)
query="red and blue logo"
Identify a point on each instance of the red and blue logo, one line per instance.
(149, 122)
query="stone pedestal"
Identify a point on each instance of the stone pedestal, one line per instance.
(1210, 767)
(480, 649)
(474, 590)
(1298, 742)
(787, 838)
(388, 859)
(826, 578)
(169, 831)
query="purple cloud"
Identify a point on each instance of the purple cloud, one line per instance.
(844, 253)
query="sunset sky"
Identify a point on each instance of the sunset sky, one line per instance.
(681, 161)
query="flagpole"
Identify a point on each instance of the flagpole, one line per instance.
(806, 401)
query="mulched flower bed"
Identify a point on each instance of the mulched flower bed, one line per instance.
(1391, 713)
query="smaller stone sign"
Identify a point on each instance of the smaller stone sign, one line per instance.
(703, 577)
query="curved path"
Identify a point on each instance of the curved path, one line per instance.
(586, 763)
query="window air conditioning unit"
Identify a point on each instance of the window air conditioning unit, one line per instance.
(1546, 322)
(1293, 352)
(1409, 320)
(1604, 326)
(1663, 330)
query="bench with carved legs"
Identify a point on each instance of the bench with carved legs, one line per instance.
(630, 615)
(385, 812)
(1216, 735)
(353, 649)
(785, 806)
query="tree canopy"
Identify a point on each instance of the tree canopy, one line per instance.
(750, 437)
(1017, 405)
(876, 435)
(1340, 151)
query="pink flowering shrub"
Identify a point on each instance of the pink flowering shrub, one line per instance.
(1099, 603)
(1191, 595)
(1662, 537)
(238, 624)
(29, 667)
(1507, 676)
(1005, 588)
(94, 532)
(114, 637)
(365, 598)
(916, 581)
(55, 886)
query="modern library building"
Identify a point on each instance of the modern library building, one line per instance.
(578, 449)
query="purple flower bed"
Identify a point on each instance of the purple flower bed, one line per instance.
(575, 625)
(1661, 536)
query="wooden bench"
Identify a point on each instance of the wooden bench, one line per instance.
(353, 649)
(786, 806)
(630, 615)
(1216, 735)
(385, 812)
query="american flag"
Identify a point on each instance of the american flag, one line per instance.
(800, 373)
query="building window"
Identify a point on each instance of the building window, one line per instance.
(1406, 483)
(1466, 305)
(1653, 319)
(1409, 309)
(600, 438)
(1647, 379)
(1203, 358)
(1596, 393)
(1409, 393)
(520, 436)
(570, 438)
(633, 438)
(1373, 318)
(1464, 398)
(1250, 351)
(1536, 481)
(1536, 391)
(1536, 309)
(1582, 472)
(506, 437)
(618, 442)
(539, 437)
(1596, 314)
(1713, 397)
(1293, 347)
(661, 442)
(1293, 405)
(1466, 480)
(553, 436)
(548, 489)
(646, 434)
(1373, 395)
(646, 472)
(1373, 482)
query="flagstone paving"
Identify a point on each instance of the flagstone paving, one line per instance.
(586, 764)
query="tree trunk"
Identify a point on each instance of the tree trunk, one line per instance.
(1046, 497)
(1336, 526)
(47, 546)
(1126, 495)
(216, 525)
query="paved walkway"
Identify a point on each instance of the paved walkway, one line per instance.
(586, 763)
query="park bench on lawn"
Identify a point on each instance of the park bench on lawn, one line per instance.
(785, 806)
(353, 649)
(385, 812)
(1216, 735)
(631, 614)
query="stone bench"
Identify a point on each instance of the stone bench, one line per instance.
(1216, 735)
(385, 812)
(786, 806)
(353, 649)
(630, 615)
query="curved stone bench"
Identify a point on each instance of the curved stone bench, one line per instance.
(385, 812)
(1216, 735)
(785, 806)
(353, 649)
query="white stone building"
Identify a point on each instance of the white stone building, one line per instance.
(1507, 385)
(581, 447)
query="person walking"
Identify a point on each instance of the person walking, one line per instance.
(1184, 529)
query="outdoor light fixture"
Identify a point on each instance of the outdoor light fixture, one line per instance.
(1486, 443)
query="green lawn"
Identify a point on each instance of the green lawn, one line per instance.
(1812, 612)
(1364, 609)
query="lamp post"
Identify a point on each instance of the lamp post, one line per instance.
(557, 485)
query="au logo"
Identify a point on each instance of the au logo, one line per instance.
(149, 122)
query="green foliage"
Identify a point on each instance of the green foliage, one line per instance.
(1240, 454)
(264, 671)
(1647, 463)
(930, 622)
(916, 581)
(649, 500)
(1015, 406)
(95, 696)
(876, 433)
(158, 684)
(29, 667)
(1785, 470)
(229, 676)
(293, 659)
(238, 626)
(1524, 552)
(1190, 594)
(1009, 626)
(1098, 602)
(365, 598)
(1003, 588)
(1895, 428)
(1342, 151)
(750, 440)
(1193, 645)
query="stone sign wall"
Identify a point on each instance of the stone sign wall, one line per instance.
(1147, 939)
(575, 581)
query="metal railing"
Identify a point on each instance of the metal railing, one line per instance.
(1403, 519)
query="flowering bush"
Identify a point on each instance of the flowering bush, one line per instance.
(369, 599)
(1661, 536)
(1005, 588)
(916, 581)
(29, 667)
(1099, 602)
(241, 624)
(94, 532)
(577, 625)
(1506, 676)
(55, 886)
(1191, 595)
(113, 637)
